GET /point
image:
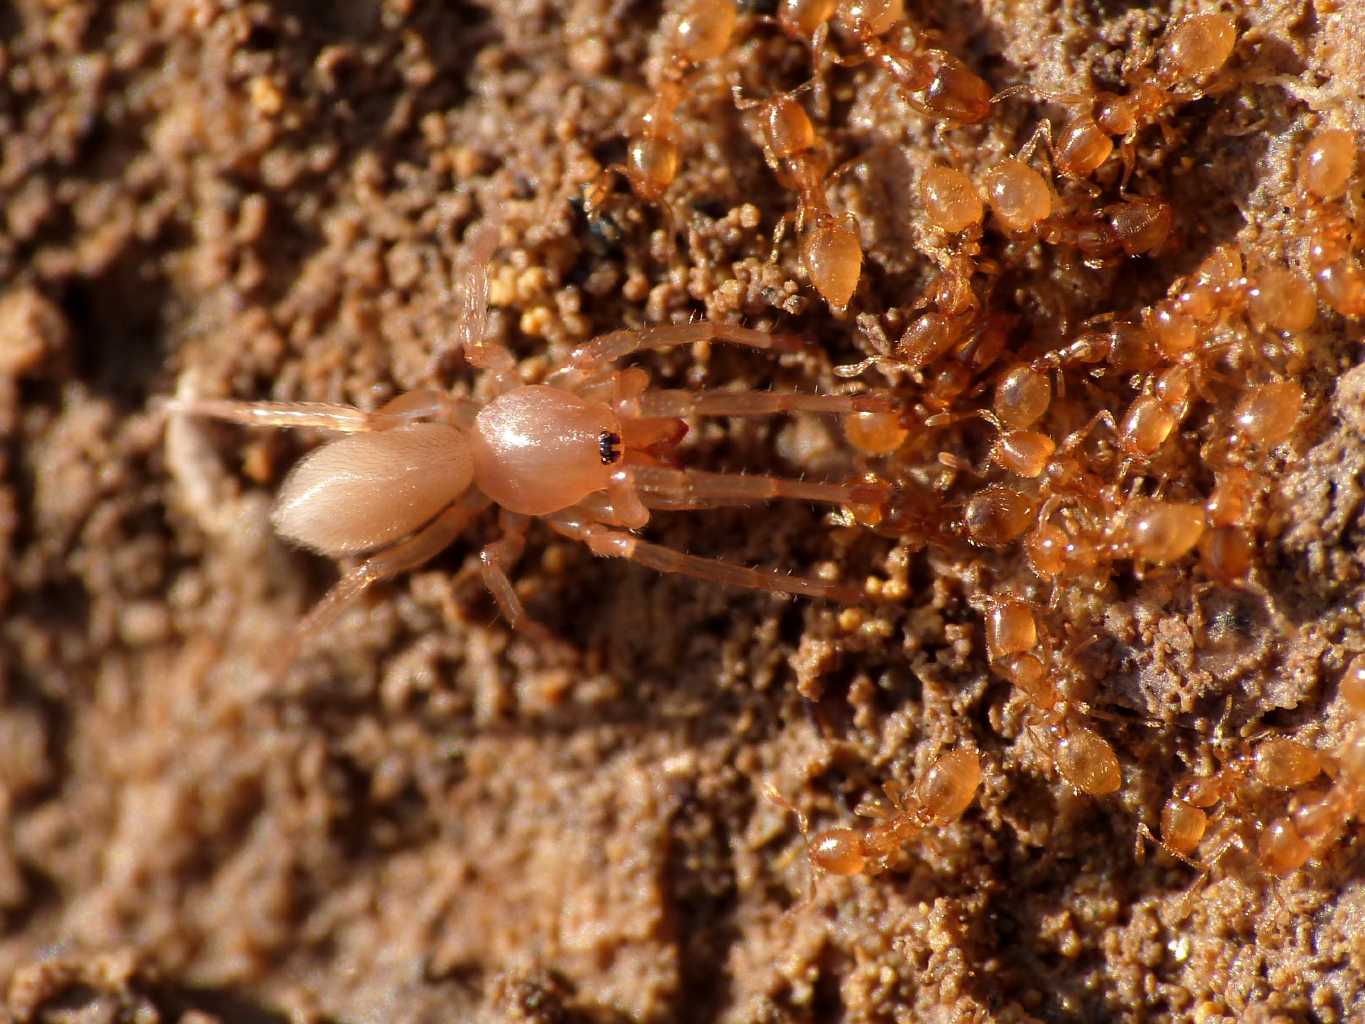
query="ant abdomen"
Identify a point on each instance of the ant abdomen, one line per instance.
(703, 30)
(1023, 452)
(1022, 396)
(1282, 299)
(1183, 825)
(928, 337)
(1087, 761)
(954, 92)
(1162, 531)
(1327, 163)
(839, 851)
(950, 786)
(1082, 147)
(950, 199)
(1266, 414)
(1200, 46)
(804, 17)
(1011, 628)
(1019, 197)
(833, 257)
(996, 515)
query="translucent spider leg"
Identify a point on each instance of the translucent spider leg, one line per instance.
(681, 403)
(347, 419)
(421, 547)
(471, 312)
(494, 561)
(692, 488)
(611, 543)
(600, 353)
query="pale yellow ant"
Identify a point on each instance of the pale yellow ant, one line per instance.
(583, 451)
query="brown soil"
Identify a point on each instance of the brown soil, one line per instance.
(430, 820)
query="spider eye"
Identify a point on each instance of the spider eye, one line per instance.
(609, 447)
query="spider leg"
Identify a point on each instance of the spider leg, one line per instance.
(406, 408)
(618, 544)
(681, 403)
(698, 489)
(471, 312)
(608, 348)
(494, 561)
(323, 415)
(421, 547)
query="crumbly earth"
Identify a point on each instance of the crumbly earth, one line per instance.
(430, 818)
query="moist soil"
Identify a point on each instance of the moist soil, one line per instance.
(431, 818)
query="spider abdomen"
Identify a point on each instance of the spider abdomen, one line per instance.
(367, 490)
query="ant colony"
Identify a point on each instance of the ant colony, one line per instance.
(1056, 443)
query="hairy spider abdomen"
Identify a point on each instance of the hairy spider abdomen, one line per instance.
(367, 490)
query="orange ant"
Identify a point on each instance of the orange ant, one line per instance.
(585, 451)
(1136, 226)
(830, 249)
(941, 798)
(1325, 170)
(1081, 756)
(1187, 815)
(1316, 820)
(701, 32)
(1023, 203)
(933, 81)
(1194, 51)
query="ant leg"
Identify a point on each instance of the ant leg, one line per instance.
(494, 561)
(1041, 134)
(851, 164)
(770, 791)
(421, 547)
(682, 403)
(601, 187)
(1140, 848)
(407, 408)
(608, 348)
(1128, 154)
(671, 227)
(1074, 439)
(617, 544)
(784, 224)
(699, 489)
(1011, 91)
(819, 54)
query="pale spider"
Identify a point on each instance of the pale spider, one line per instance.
(584, 451)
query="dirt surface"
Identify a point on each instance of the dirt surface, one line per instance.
(433, 819)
